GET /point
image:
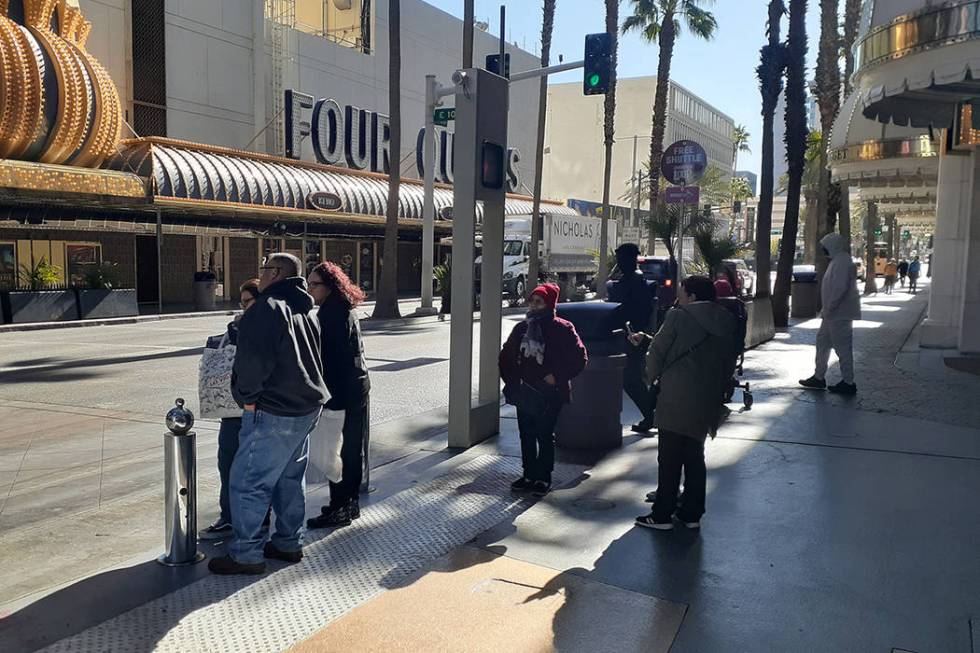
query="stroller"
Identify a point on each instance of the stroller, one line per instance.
(737, 308)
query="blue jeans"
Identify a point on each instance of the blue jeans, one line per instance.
(269, 469)
(227, 448)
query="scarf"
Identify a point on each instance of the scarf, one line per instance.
(532, 344)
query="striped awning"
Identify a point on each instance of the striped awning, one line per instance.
(195, 172)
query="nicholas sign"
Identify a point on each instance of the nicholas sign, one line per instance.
(359, 139)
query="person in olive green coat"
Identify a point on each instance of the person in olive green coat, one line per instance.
(693, 356)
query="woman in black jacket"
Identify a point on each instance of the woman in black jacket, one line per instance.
(346, 375)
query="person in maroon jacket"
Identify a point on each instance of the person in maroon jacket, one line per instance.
(537, 363)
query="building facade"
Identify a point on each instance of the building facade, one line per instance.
(574, 138)
(200, 179)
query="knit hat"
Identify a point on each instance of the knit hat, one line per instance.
(549, 292)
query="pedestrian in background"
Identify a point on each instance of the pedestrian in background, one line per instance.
(228, 432)
(278, 380)
(915, 268)
(891, 275)
(537, 364)
(692, 358)
(636, 298)
(841, 306)
(345, 373)
(903, 271)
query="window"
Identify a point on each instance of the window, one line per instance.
(513, 248)
(79, 259)
(8, 266)
(345, 22)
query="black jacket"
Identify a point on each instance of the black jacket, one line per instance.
(344, 368)
(277, 364)
(635, 295)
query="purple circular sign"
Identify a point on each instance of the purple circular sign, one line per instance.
(684, 163)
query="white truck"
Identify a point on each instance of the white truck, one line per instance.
(569, 250)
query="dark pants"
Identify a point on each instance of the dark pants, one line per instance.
(351, 454)
(678, 453)
(635, 380)
(227, 448)
(538, 441)
(913, 283)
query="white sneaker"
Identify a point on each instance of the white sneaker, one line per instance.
(216, 531)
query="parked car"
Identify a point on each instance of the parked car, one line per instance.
(658, 268)
(744, 278)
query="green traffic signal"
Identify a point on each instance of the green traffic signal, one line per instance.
(594, 79)
(598, 71)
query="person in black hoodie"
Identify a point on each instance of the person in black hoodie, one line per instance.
(278, 380)
(346, 376)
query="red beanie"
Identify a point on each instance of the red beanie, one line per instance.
(549, 292)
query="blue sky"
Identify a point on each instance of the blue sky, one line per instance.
(721, 71)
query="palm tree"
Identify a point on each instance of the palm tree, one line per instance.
(659, 22)
(612, 28)
(714, 251)
(665, 225)
(796, 142)
(828, 100)
(770, 72)
(547, 28)
(740, 143)
(387, 300)
(871, 224)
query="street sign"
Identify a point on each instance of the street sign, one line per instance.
(683, 163)
(682, 194)
(324, 201)
(443, 116)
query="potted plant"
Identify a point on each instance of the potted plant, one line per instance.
(40, 295)
(100, 295)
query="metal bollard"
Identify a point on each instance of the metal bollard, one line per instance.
(366, 453)
(180, 489)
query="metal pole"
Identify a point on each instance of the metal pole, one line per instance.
(544, 72)
(503, 24)
(468, 16)
(636, 190)
(159, 263)
(680, 246)
(180, 490)
(428, 202)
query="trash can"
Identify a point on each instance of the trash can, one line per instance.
(592, 419)
(804, 293)
(204, 287)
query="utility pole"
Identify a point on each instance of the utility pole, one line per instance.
(468, 34)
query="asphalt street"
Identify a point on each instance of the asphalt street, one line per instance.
(141, 368)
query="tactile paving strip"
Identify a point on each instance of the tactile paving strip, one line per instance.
(391, 540)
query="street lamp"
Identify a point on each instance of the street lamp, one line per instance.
(635, 204)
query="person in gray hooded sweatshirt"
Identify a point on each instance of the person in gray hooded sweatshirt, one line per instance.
(841, 306)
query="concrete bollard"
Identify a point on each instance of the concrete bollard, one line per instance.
(180, 489)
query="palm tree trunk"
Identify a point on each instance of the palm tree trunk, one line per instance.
(852, 18)
(770, 77)
(468, 33)
(387, 302)
(828, 99)
(534, 262)
(612, 28)
(667, 37)
(796, 137)
(844, 214)
(870, 285)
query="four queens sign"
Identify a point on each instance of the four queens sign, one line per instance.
(684, 163)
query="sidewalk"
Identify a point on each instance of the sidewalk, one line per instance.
(832, 526)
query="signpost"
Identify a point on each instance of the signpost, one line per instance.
(682, 195)
(683, 164)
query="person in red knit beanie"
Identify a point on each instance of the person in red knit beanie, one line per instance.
(537, 363)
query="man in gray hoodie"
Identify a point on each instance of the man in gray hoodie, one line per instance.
(841, 306)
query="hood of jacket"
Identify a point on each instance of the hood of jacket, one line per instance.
(834, 244)
(713, 318)
(291, 290)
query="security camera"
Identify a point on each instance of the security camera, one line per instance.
(460, 78)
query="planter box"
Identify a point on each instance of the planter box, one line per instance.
(760, 328)
(95, 304)
(42, 306)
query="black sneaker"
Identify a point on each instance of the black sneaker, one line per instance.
(540, 489)
(847, 389)
(647, 521)
(286, 556)
(226, 566)
(643, 427)
(336, 518)
(523, 484)
(813, 383)
(219, 530)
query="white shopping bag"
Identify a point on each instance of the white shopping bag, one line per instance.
(325, 443)
(214, 382)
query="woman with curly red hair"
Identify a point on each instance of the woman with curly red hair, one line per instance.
(346, 375)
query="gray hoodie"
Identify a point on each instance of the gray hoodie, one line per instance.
(838, 291)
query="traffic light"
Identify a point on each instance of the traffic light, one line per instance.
(598, 63)
(493, 64)
(907, 234)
